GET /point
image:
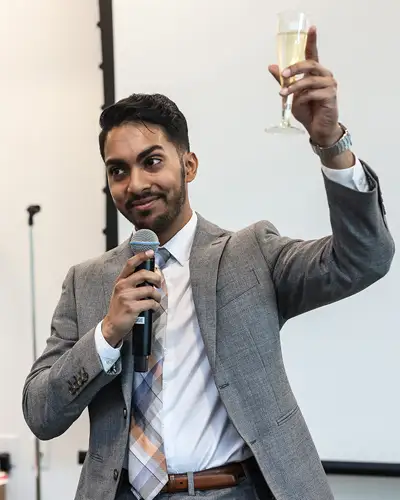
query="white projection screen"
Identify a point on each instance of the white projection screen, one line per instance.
(211, 58)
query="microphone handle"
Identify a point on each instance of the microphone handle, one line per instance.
(142, 329)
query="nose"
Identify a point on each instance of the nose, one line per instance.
(139, 181)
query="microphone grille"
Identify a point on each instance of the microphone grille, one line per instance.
(143, 240)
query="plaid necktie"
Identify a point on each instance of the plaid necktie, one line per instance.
(147, 464)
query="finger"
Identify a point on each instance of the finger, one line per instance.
(315, 95)
(274, 70)
(146, 305)
(311, 45)
(134, 262)
(128, 297)
(146, 292)
(308, 67)
(143, 276)
(313, 82)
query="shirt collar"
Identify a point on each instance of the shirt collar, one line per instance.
(180, 245)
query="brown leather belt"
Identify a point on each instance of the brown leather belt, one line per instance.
(225, 476)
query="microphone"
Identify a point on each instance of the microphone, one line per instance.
(143, 240)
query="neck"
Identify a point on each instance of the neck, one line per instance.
(180, 222)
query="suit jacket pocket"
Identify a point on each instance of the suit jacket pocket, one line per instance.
(235, 288)
(95, 457)
(288, 415)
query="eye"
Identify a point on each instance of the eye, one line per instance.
(152, 162)
(117, 173)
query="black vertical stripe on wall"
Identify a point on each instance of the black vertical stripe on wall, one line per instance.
(107, 66)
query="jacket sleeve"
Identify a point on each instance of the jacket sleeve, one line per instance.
(67, 376)
(311, 274)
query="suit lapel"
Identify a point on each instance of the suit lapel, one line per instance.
(208, 245)
(112, 269)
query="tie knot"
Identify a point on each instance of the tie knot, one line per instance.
(162, 256)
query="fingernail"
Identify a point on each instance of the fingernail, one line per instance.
(286, 72)
(284, 91)
(149, 253)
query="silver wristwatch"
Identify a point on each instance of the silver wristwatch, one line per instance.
(343, 144)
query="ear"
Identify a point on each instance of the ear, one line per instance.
(191, 163)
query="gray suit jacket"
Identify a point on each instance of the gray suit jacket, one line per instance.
(245, 286)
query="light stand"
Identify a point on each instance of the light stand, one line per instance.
(32, 211)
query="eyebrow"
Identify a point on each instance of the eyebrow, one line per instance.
(141, 156)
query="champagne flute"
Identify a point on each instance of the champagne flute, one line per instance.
(291, 42)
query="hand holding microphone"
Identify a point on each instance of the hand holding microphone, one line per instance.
(134, 292)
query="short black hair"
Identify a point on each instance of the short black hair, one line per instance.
(151, 108)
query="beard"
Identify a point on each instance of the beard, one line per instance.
(173, 200)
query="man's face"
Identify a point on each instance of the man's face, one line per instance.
(146, 175)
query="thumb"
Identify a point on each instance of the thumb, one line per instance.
(274, 70)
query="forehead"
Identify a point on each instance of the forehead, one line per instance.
(128, 140)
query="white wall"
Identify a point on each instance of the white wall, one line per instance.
(51, 93)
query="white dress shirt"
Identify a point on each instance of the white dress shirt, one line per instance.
(198, 433)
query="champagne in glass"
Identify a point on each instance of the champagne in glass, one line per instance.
(291, 44)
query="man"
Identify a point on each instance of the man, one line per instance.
(215, 416)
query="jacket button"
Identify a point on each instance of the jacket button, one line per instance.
(125, 413)
(115, 474)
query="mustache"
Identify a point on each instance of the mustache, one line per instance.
(143, 196)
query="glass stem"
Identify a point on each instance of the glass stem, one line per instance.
(287, 110)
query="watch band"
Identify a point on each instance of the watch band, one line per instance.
(343, 144)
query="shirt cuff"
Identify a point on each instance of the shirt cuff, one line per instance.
(354, 177)
(109, 356)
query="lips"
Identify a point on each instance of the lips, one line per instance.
(144, 204)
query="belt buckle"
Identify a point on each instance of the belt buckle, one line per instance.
(171, 484)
